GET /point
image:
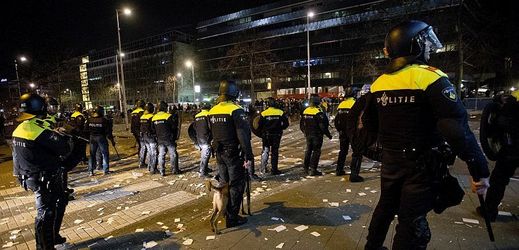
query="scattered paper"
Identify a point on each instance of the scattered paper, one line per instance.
(346, 217)
(136, 174)
(168, 233)
(274, 218)
(139, 230)
(165, 227)
(301, 228)
(458, 222)
(344, 201)
(13, 237)
(348, 190)
(149, 244)
(78, 221)
(280, 245)
(177, 220)
(187, 242)
(325, 200)
(473, 221)
(316, 234)
(373, 191)
(334, 204)
(145, 212)
(362, 194)
(210, 237)
(8, 244)
(15, 232)
(278, 228)
(367, 188)
(100, 209)
(160, 223)
(179, 226)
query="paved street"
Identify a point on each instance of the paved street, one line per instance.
(131, 209)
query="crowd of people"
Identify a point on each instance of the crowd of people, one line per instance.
(410, 119)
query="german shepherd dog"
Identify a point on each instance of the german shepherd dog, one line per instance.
(220, 199)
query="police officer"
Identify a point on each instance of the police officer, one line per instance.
(78, 121)
(37, 155)
(507, 128)
(231, 138)
(148, 139)
(314, 125)
(271, 125)
(52, 112)
(203, 138)
(165, 126)
(99, 129)
(136, 122)
(340, 122)
(411, 103)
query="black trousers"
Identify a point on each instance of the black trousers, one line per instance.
(313, 151)
(406, 191)
(270, 145)
(232, 172)
(46, 196)
(343, 151)
(138, 140)
(500, 177)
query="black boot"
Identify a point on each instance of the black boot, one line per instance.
(316, 172)
(234, 222)
(355, 169)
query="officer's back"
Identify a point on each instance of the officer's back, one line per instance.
(343, 110)
(222, 117)
(145, 126)
(136, 117)
(273, 120)
(201, 126)
(165, 126)
(313, 121)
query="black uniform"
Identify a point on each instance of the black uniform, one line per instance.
(165, 126)
(99, 128)
(231, 140)
(314, 125)
(37, 156)
(507, 121)
(204, 138)
(148, 142)
(341, 122)
(135, 125)
(407, 106)
(271, 125)
(78, 121)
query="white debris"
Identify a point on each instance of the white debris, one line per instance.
(139, 230)
(100, 209)
(278, 228)
(91, 205)
(373, 191)
(187, 242)
(473, 221)
(301, 228)
(15, 232)
(168, 233)
(274, 218)
(280, 245)
(316, 234)
(149, 244)
(164, 227)
(8, 244)
(334, 204)
(367, 188)
(177, 220)
(145, 212)
(13, 237)
(78, 221)
(344, 201)
(179, 226)
(504, 213)
(342, 179)
(160, 223)
(325, 200)
(346, 217)
(137, 174)
(210, 237)
(458, 222)
(348, 190)
(119, 208)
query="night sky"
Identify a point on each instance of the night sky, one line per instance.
(47, 29)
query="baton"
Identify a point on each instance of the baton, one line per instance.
(484, 211)
(118, 156)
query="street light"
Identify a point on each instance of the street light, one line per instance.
(308, 16)
(189, 64)
(22, 59)
(127, 12)
(32, 85)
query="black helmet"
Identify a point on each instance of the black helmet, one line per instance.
(31, 105)
(229, 89)
(205, 105)
(140, 103)
(405, 42)
(150, 108)
(52, 105)
(271, 102)
(315, 99)
(78, 107)
(162, 106)
(99, 111)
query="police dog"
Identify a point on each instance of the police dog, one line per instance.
(220, 198)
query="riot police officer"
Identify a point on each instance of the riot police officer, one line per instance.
(340, 122)
(52, 112)
(272, 122)
(412, 104)
(78, 121)
(203, 138)
(314, 124)
(231, 139)
(148, 139)
(136, 122)
(505, 121)
(165, 126)
(99, 129)
(37, 156)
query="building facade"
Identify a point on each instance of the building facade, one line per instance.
(345, 38)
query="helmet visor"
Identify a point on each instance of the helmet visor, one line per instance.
(429, 35)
